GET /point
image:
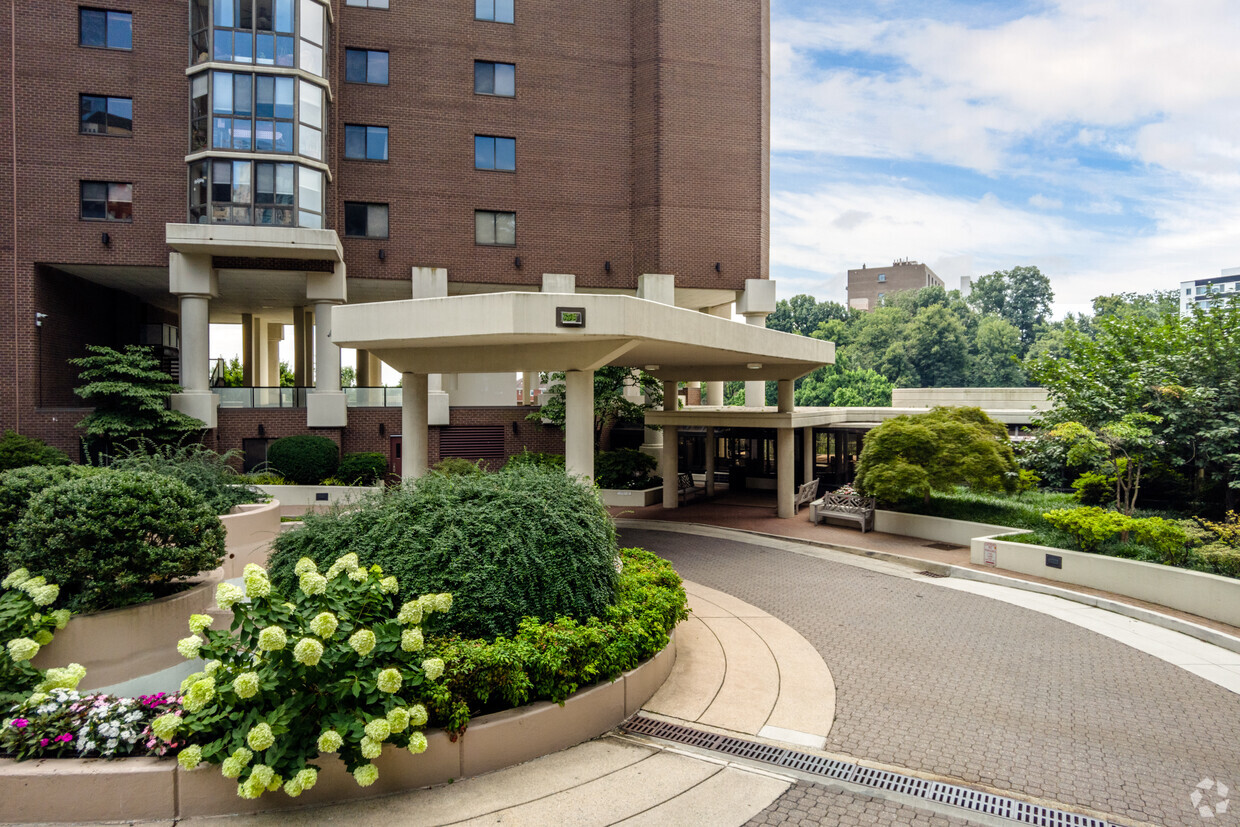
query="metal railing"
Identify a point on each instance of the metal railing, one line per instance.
(296, 397)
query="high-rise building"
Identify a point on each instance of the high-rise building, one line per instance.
(870, 286)
(257, 162)
(1201, 292)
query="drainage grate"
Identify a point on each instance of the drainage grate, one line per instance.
(974, 800)
(943, 546)
(931, 574)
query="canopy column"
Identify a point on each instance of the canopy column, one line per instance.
(710, 461)
(414, 425)
(579, 423)
(668, 465)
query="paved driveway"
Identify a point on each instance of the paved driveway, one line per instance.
(941, 681)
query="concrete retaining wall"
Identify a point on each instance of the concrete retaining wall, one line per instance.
(940, 529)
(1206, 595)
(296, 500)
(631, 499)
(94, 790)
(251, 528)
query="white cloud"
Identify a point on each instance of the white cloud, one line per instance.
(1042, 202)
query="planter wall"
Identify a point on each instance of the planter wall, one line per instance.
(939, 529)
(296, 500)
(1205, 595)
(94, 790)
(251, 528)
(631, 498)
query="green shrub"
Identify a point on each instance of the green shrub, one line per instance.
(1090, 526)
(17, 451)
(114, 538)
(333, 664)
(27, 623)
(1026, 481)
(550, 661)
(1093, 488)
(194, 464)
(624, 468)
(305, 460)
(1219, 559)
(362, 469)
(18, 486)
(518, 543)
(1166, 537)
(456, 466)
(538, 460)
(265, 478)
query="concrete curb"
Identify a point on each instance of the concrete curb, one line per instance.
(1174, 624)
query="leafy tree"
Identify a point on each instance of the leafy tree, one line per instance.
(1021, 295)
(348, 376)
(803, 314)
(1119, 449)
(611, 406)
(937, 348)
(996, 351)
(837, 385)
(1153, 306)
(907, 457)
(878, 343)
(234, 375)
(130, 395)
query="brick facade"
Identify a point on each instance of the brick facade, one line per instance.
(641, 134)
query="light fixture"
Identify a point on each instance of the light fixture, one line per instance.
(261, 430)
(106, 239)
(650, 367)
(38, 319)
(514, 427)
(606, 266)
(382, 254)
(382, 429)
(718, 267)
(516, 262)
(754, 365)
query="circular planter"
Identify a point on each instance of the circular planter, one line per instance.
(95, 790)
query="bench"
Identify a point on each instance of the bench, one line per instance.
(837, 506)
(805, 495)
(686, 489)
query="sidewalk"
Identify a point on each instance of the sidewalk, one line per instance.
(746, 512)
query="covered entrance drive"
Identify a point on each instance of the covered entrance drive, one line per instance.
(573, 332)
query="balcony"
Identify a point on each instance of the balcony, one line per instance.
(296, 397)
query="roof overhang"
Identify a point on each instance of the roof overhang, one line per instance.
(254, 241)
(839, 418)
(498, 332)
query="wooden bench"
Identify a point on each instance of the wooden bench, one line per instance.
(686, 489)
(851, 507)
(805, 495)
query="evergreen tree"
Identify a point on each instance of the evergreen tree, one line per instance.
(130, 395)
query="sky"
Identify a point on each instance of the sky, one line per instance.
(1098, 140)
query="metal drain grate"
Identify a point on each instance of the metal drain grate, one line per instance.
(974, 800)
(931, 574)
(943, 546)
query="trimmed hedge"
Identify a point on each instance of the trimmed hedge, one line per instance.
(114, 538)
(368, 468)
(19, 486)
(304, 460)
(518, 543)
(18, 451)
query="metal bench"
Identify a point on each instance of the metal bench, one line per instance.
(851, 507)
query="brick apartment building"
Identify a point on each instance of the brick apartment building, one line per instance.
(170, 164)
(869, 286)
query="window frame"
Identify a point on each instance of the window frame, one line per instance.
(493, 18)
(387, 148)
(368, 4)
(107, 115)
(106, 19)
(387, 75)
(495, 218)
(107, 201)
(387, 230)
(495, 153)
(493, 64)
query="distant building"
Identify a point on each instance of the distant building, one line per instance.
(869, 286)
(1200, 292)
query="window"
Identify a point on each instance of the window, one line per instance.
(365, 220)
(882, 277)
(107, 201)
(369, 4)
(105, 29)
(243, 31)
(495, 153)
(365, 143)
(495, 228)
(498, 79)
(105, 116)
(248, 112)
(499, 11)
(269, 193)
(365, 66)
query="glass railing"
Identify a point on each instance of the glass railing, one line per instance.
(296, 397)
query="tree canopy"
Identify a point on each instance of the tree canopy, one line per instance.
(130, 395)
(611, 406)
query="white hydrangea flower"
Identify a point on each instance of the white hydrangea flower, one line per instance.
(22, 649)
(389, 585)
(370, 748)
(308, 651)
(409, 613)
(15, 578)
(256, 582)
(362, 641)
(189, 646)
(304, 565)
(417, 715)
(227, 595)
(433, 667)
(411, 640)
(324, 624)
(378, 729)
(389, 680)
(312, 583)
(272, 639)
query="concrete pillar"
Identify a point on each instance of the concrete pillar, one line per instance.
(808, 454)
(559, 283)
(785, 471)
(668, 465)
(414, 431)
(432, 283)
(579, 423)
(369, 370)
(714, 390)
(528, 380)
(275, 335)
(325, 405)
(710, 461)
(247, 351)
(300, 362)
(657, 287)
(785, 389)
(755, 304)
(195, 283)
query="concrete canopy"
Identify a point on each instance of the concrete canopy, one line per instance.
(518, 332)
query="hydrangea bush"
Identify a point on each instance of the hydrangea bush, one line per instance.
(336, 667)
(62, 723)
(27, 624)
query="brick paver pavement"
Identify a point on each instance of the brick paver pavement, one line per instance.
(956, 684)
(809, 805)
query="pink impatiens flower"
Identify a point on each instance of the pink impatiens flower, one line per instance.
(19, 722)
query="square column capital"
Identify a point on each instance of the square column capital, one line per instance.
(430, 282)
(657, 287)
(559, 283)
(758, 298)
(327, 287)
(192, 276)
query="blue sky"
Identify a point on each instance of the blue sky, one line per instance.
(1096, 139)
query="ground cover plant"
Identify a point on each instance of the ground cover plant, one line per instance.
(64, 723)
(521, 542)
